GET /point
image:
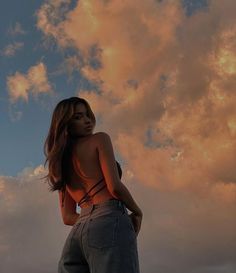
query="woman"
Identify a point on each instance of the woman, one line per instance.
(82, 167)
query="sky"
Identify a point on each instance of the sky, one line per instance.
(160, 77)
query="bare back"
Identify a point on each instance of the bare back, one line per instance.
(86, 171)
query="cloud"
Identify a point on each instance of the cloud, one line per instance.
(195, 234)
(15, 30)
(29, 218)
(50, 15)
(107, 27)
(35, 81)
(162, 73)
(10, 50)
(169, 84)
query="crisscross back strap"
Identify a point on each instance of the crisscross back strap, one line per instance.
(86, 196)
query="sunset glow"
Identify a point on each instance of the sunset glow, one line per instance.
(160, 77)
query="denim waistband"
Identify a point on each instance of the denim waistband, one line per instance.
(111, 204)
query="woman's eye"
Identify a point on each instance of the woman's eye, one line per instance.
(80, 116)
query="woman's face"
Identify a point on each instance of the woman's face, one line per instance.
(80, 124)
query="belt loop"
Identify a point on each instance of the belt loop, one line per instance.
(92, 208)
(122, 205)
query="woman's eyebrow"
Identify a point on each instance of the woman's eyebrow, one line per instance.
(78, 113)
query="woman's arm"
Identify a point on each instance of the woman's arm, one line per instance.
(123, 194)
(110, 172)
(68, 210)
(72, 219)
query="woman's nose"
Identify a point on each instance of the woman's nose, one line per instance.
(87, 120)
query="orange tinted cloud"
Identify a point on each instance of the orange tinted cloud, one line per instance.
(11, 49)
(167, 87)
(177, 227)
(35, 81)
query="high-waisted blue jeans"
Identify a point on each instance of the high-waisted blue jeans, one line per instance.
(103, 240)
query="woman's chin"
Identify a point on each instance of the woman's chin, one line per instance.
(86, 134)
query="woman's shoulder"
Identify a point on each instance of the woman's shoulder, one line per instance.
(94, 139)
(104, 140)
(101, 136)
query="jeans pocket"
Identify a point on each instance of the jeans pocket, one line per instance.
(102, 231)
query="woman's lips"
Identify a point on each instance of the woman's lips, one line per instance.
(88, 127)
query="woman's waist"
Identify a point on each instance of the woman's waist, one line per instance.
(109, 207)
(85, 200)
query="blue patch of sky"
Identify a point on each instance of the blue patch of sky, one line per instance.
(94, 54)
(193, 6)
(161, 144)
(133, 83)
(163, 81)
(78, 81)
(22, 139)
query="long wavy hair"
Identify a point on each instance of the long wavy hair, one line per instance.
(58, 144)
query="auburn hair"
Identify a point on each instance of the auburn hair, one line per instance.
(58, 144)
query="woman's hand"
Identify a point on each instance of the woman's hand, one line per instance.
(136, 219)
